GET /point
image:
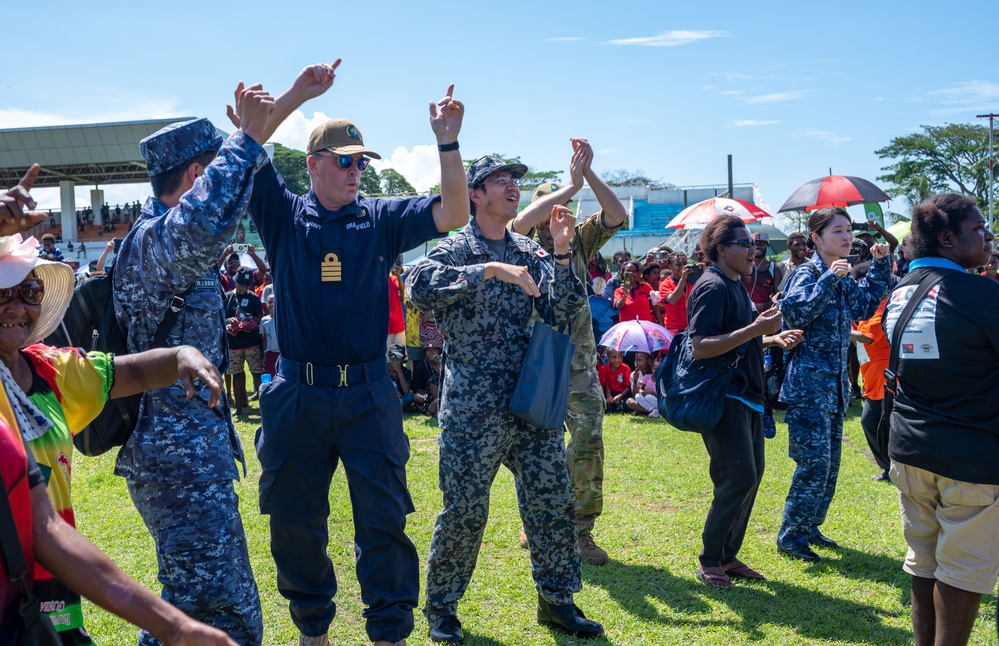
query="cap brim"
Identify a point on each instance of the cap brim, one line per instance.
(352, 150)
(59, 280)
(517, 170)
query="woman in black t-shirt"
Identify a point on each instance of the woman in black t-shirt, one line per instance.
(723, 320)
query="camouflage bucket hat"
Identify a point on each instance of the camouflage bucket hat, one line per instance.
(177, 143)
(483, 167)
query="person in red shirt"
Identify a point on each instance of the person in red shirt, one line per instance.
(615, 378)
(634, 298)
(397, 322)
(673, 291)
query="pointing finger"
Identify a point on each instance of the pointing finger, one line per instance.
(29, 180)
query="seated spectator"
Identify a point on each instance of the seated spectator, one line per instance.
(69, 246)
(268, 330)
(243, 313)
(673, 290)
(635, 298)
(400, 375)
(598, 274)
(82, 251)
(427, 378)
(49, 251)
(615, 378)
(643, 385)
(620, 257)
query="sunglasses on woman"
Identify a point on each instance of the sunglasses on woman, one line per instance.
(30, 291)
(745, 243)
(345, 161)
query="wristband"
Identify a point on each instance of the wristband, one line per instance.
(562, 256)
(447, 147)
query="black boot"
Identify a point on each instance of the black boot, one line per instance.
(446, 628)
(567, 618)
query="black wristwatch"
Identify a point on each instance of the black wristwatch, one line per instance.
(562, 256)
(447, 147)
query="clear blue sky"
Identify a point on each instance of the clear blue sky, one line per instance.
(790, 89)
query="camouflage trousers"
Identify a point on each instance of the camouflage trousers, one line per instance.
(469, 461)
(584, 421)
(815, 438)
(201, 552)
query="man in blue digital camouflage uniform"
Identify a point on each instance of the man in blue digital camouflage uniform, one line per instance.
(332, 400)
(179, 461)
(483, 284)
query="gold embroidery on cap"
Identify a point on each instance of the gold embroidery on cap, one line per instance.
(332, 269)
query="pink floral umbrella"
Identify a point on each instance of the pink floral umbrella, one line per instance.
(637, 336)
(697, 215)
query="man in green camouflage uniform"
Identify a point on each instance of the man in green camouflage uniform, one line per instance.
(585, 417)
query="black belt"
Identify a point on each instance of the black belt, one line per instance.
(346, 375)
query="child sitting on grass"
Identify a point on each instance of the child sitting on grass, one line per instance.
(643, 385)
(615, 378)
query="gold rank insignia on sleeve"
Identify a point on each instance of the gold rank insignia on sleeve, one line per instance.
(332, 269)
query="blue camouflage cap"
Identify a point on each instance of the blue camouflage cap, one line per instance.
(483, 167)
(177, 143)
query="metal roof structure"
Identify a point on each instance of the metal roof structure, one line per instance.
(89, 154)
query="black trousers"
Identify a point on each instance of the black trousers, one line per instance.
(735, 449)
(870, 418)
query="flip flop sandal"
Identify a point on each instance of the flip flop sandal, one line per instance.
(712, 580)
(743, 571)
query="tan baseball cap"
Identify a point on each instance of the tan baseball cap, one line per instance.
(546, 189)
(341, 137)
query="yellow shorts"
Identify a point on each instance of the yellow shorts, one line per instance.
(951, 528)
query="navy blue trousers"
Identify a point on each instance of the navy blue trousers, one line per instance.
(307, 431)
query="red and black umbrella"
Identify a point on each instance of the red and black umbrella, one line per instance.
(833, 190)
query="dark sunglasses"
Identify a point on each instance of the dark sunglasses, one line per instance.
(746, 243)
(345, 161)
(31, 292)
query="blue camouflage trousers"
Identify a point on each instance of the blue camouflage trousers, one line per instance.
(469, 461)
(815, 439)
(201, 552)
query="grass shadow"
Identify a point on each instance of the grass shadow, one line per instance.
(813, 615)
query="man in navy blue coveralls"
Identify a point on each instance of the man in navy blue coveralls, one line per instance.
(332, 399)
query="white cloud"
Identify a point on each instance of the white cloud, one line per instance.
(607, 151)
(295, 131)
(776, 97)
(564, 39)
(421, 165)
(670, 38)
(826, 136)
(968, 92)
(742, 123)
(18, 118)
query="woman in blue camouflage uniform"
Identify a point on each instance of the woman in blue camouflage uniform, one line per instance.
(822, 299)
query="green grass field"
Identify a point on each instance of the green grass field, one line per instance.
(656, 495)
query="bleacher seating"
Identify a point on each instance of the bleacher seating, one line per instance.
(653, 218)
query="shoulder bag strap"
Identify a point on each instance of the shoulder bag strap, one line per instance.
(173, 310)
(10, 544)
(891, 373)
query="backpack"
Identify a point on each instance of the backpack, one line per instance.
(691, 392)
(90, 323)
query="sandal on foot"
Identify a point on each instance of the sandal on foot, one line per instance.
(743, 571)
(713, 580)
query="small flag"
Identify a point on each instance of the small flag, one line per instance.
(873, 212)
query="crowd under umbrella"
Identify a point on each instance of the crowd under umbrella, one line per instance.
(835, 191)
(636, 336)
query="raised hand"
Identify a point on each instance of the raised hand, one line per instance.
(880, 250)
(577, 166)
(13, 217)
(562, 228)
(253, 107)
(583, 146)
(446, 116)
(315, 80)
